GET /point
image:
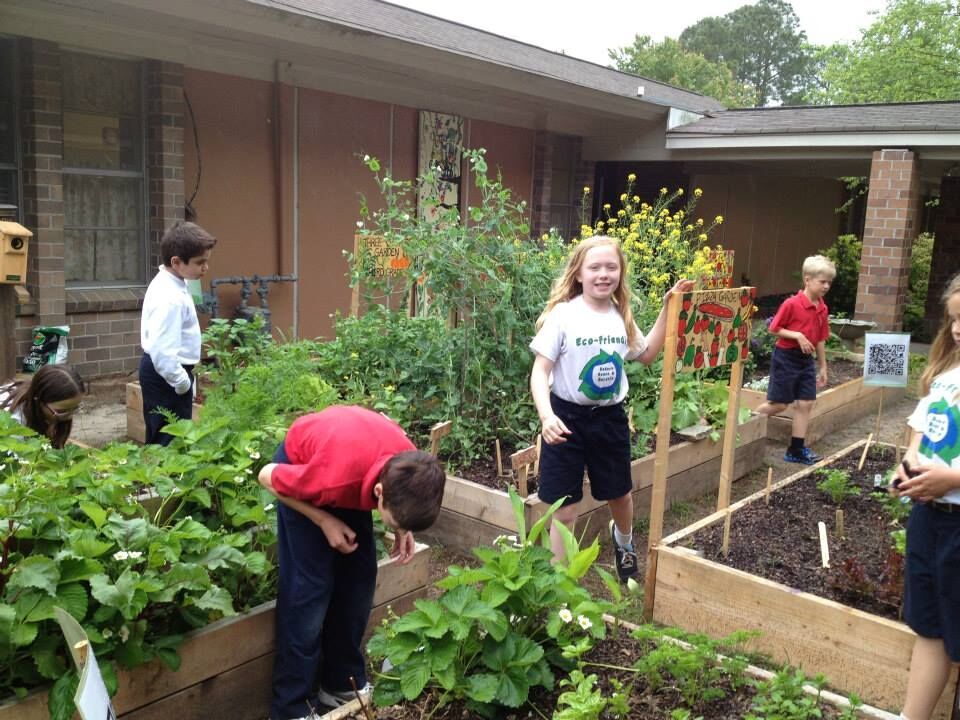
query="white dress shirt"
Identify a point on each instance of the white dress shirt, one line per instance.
(169, 329)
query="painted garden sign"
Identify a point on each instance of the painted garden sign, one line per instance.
(714, 327)
(705, 329)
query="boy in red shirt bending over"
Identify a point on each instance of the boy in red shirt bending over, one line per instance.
(802, 329)
(331, 470)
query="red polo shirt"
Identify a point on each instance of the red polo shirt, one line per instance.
(336, 457)
(798, 314)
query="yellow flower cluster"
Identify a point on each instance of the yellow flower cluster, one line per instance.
(661, 243)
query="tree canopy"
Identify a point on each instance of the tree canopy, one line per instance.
(671, 63)
(910, 53)
(763, 46)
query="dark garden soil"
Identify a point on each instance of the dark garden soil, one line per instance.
(780, 542)
(618, 650)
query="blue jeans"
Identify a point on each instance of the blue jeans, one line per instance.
(323, 605)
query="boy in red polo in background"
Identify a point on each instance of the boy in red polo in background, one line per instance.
(802, 329)
(330, 471)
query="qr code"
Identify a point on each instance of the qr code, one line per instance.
(887, 360)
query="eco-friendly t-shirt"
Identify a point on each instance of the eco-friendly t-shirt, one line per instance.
(588, 349)
(938, 417)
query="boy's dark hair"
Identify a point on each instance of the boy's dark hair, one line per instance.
(413, 489)
(49, 384)
(185, 240)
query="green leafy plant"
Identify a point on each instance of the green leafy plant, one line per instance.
(231, 344)
(836, 485)
(783, 697)
(76, 535)
(691, 666)
(497, 630)
(845, 253)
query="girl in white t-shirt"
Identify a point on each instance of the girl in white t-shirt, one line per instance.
(46, 402)
(930, 475)
(584, 336)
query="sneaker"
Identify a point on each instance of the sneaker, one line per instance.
(626, 559)
(336, 699)
(805, 456)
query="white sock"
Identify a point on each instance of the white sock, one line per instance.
(624, 540)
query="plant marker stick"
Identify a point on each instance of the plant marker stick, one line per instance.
(726, 533)
(500, 471)
(839, 527)
(766, 497)
(863, 455)
(536, 463)
(437, 433)
(824, 550)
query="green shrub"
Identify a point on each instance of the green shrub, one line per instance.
(845, 253)
(915, 309)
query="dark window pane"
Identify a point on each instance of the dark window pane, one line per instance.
(8, 187)
(119, 256)
(101, 113)
(7, 110)
(78, 254)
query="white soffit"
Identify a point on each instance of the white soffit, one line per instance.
(709, 141)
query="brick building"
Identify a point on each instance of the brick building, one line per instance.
(113, 113)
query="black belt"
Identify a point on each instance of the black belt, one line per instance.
(945, 507)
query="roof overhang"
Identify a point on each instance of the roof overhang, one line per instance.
(938, 142)
(255, 40)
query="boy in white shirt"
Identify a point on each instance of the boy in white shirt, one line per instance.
(169, 329)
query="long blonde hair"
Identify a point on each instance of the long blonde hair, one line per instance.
(567, 287)
(944, 353)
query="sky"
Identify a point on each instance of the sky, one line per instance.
(586, 29)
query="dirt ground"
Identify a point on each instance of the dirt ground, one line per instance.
(102, 417)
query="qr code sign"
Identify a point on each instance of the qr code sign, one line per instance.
(887, 360)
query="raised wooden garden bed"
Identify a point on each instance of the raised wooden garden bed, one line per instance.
(857, 651)
(474, 515)
(354, 711)
(835, 408)
(226, 667)
(135, 427)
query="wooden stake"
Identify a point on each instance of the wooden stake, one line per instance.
(437, 433)
(824, 549)
(521, 461)
(876, 431)
(500, 471)
(658, 493)
(863, 455)
(536, 463)
(726, 533)
(730, 434)
(766, 497)
(839, 528)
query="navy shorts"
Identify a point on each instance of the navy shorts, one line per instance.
(599, 441)
(931, 603)
(793, 376)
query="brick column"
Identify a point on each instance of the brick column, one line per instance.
(42, 136)
(893, 209)
(586, 176)
(542, 183)
(165, 124)
(943, 265)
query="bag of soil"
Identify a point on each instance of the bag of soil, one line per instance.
(49, 347)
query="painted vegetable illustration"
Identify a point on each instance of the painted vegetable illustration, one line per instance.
(722, 312)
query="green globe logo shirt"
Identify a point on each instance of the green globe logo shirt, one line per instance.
(938, 417)
(588, 349)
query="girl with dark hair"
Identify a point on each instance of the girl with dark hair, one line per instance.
(46, 403)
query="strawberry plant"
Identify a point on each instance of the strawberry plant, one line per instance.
(74, 535)
(498, 630)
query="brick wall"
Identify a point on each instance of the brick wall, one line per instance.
(104, 322)
(542, 183)
(893, 206)
(945, 248)
(42, 161)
